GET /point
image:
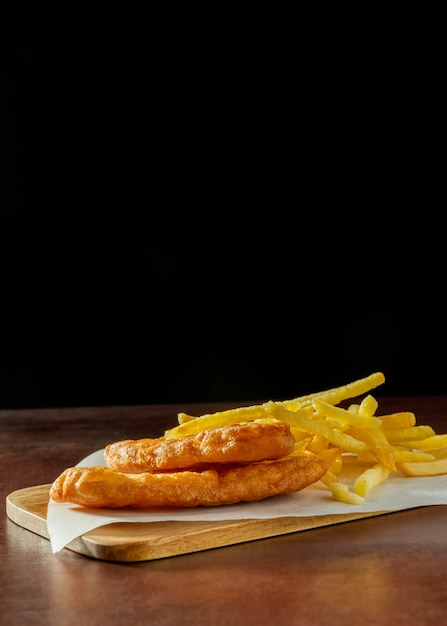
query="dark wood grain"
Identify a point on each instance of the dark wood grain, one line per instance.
(380, 570)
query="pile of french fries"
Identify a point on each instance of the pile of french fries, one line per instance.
(372, 447)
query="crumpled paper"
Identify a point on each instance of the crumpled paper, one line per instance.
(67, 521)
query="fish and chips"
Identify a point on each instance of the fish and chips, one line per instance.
(335, 437)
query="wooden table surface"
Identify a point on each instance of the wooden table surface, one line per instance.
(380, 570)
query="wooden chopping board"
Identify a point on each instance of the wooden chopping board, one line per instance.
(129, 542)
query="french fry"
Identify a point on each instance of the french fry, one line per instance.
(344, 416)
(439, 454)
(370, 479)
(338, 394)
(368, 406)
(407, 435)
(353, 408)
(329, 478)
(185, 417)
(366, 456)
(341, 492)
(428, 468)
(333, 458)
(336, 437)
(212, 420)
(378, 445)
(300, 435)
(318, 444)
(435, 442)
(410, 456)
(405, 419)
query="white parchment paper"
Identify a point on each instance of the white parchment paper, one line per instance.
(66, 521)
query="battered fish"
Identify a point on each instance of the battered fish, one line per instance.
(99, 487)
(237, 443)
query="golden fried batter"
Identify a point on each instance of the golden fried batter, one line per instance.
(103, 487)
(237, 443)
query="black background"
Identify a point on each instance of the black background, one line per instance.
(221, 202)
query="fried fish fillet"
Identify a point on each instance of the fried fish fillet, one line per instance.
(236, 443)
(102, 487)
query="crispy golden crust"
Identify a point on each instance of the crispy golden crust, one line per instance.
(237, 443)
(102, 487)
